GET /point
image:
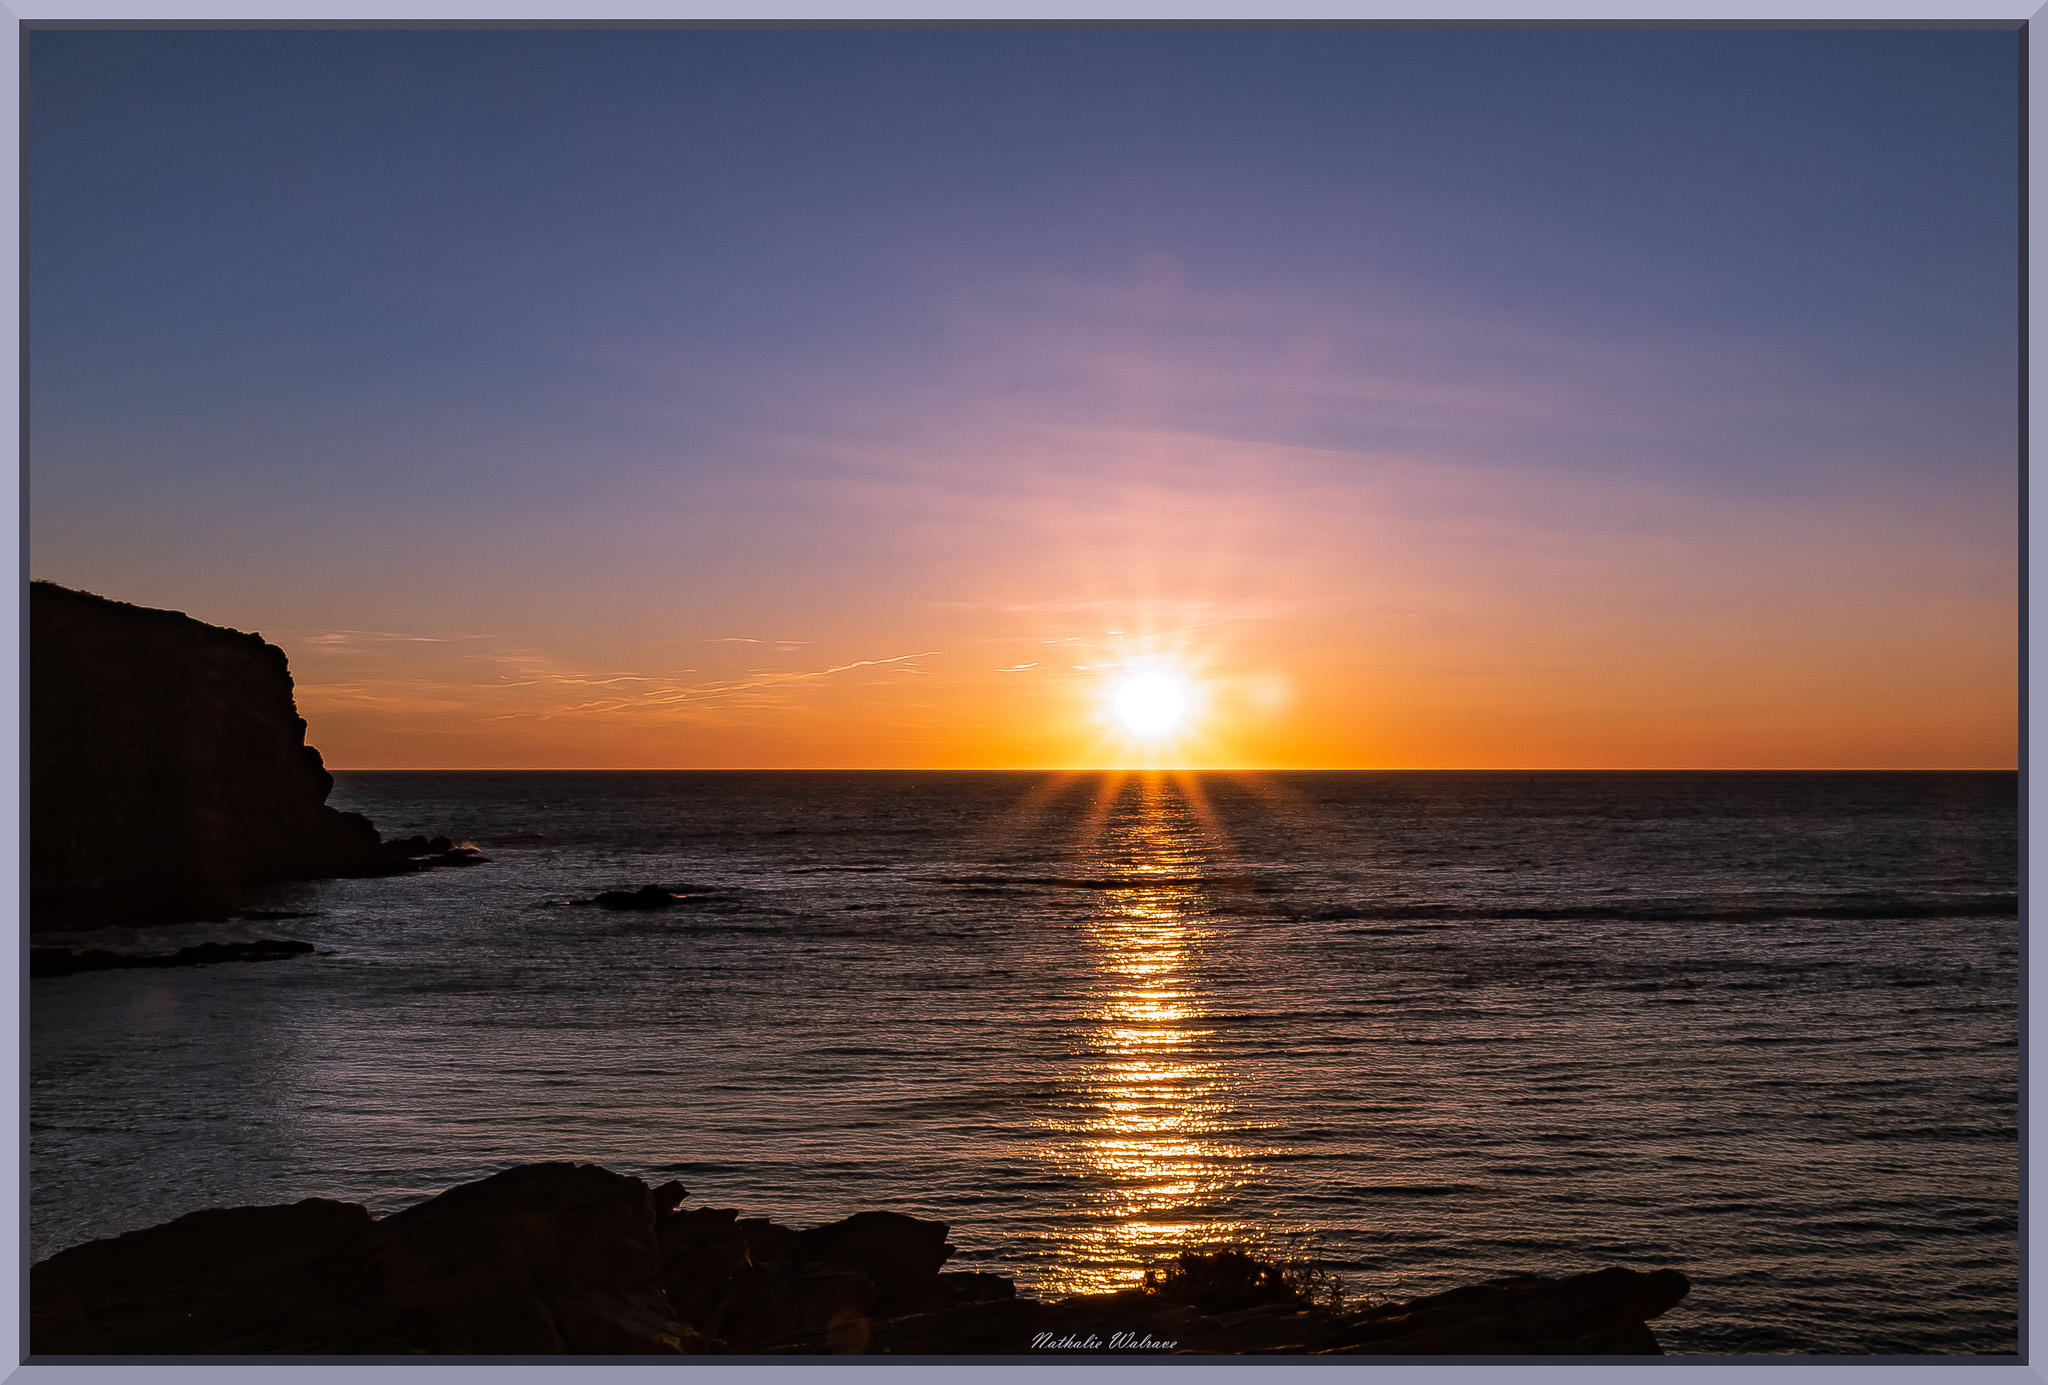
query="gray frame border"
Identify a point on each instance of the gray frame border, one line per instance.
(925, 14)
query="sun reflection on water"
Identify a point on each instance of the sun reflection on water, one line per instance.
(1153, 1140)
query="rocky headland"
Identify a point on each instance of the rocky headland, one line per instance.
(168, 770)
(546, 1259)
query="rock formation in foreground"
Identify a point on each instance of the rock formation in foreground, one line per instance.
(546, 1259)
(168, 767)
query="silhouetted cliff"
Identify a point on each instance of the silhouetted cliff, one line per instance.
(167, 767)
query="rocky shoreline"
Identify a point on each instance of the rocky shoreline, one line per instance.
(550, 1259)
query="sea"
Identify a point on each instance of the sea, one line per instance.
(1422, 1029)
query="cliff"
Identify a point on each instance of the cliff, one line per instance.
(168, 767)
(548, 1259)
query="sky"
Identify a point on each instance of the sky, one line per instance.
(888, 399)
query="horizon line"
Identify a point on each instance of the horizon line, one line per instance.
(1173, 769)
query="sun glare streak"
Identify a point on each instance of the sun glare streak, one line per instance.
(1095, 826)
(1021, 818)
(1314, 826)
(1153, 1141)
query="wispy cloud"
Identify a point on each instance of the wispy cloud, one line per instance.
(347, 640)
(523, 684)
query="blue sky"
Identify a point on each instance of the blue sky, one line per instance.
(594, 348)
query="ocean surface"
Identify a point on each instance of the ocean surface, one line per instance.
(1427, 1027)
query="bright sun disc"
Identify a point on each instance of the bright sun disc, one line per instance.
(1151, 704)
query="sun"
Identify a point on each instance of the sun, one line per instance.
(1151, 706)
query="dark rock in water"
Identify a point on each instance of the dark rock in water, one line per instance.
(168, 769)
(62, 961)
(646, 897)
(416, 846)
(552, 1258)
(262, 950)
(425, 852)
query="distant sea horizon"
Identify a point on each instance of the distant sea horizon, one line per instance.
(1172, 769)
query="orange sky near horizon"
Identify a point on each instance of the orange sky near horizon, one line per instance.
(1426, 617)
(1294, 716)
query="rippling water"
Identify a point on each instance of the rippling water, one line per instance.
(1759, 1027)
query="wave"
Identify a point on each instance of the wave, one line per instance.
(1240, 883)
(1834, 906)
(1706, 911)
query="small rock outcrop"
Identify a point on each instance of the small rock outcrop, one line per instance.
(62, 961)
(549, 1259)
(168, 768)
(646, 897)
(424, 852)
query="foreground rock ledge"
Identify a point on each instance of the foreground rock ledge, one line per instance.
(546, 1259)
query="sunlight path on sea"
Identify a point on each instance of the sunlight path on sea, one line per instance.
(1149, 1145)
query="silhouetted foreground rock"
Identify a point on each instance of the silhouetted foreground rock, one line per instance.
(572, 1258)
(168, 767)
(62, 961)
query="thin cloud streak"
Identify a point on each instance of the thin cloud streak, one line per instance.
(480, 677)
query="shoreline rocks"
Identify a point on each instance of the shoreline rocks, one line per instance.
(547, 1259)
